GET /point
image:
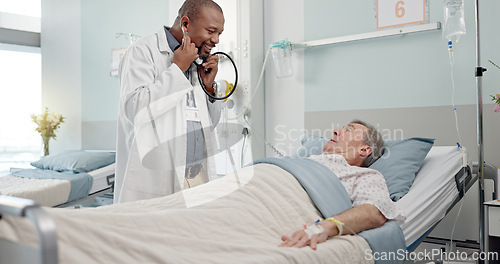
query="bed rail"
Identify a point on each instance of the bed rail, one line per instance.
(11, 252)
(490, 173)
(464, 179)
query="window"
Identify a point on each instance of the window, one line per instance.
(20, 96)
(22, 7)
(20, 91)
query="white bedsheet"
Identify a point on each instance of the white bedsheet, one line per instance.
(432, 192)
(244, 226)
(50, 192)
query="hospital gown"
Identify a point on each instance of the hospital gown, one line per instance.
(364, 185)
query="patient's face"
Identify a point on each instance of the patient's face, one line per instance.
(346, 141)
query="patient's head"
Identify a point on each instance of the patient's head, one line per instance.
(360, 143)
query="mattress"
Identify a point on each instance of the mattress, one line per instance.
(51, 192)
(432, 193)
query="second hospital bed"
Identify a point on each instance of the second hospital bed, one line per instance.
(62, 179)
(237, 219)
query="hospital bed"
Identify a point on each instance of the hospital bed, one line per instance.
(236, 219)
(440, 184)
(64, 179)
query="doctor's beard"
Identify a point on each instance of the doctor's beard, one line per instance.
(200, 48)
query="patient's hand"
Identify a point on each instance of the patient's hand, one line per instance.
(300, 239)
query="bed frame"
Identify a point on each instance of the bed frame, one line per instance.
(464, 179)
(13, 253)
(111, 185)
(47, 252)
(463, 185)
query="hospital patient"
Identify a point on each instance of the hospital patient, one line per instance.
(355, 146)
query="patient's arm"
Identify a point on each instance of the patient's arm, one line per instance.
(357, 219)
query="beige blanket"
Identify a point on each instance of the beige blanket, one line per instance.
(46, 192)
(236, 219)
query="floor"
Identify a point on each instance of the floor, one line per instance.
(434, 253)
(105, 199)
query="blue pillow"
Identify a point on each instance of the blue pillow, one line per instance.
(312, 145)
(399, 164)
(75, 160)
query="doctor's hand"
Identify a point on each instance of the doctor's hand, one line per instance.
(209, 77)
(300, 239)
(185, 54)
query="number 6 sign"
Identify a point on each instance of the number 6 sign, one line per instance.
(393, 13)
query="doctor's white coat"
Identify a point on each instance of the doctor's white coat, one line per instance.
(151, 132)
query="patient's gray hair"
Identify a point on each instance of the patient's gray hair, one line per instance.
(373, 138)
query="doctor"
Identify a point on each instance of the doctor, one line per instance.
(165, 124)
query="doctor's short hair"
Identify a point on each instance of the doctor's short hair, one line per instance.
(373, 138)
(192, 8)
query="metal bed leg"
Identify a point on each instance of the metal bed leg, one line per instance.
(44, 224)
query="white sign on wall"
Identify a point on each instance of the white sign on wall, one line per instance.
(116, 56)
(393, 13)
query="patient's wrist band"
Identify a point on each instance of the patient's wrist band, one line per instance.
(340, 225)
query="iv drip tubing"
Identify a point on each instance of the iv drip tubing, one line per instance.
(453, 97)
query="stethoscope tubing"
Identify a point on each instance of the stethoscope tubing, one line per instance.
(205, 88)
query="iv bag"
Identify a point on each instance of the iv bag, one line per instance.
(454, 20)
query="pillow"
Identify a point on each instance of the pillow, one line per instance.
(399, 164)
(311, 145)
(75, 160)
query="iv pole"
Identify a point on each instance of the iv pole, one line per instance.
(479, 95)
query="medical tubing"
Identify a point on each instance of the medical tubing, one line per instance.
(235, 79)
(242, 151)
(456, 219)
(246, 107)
(262, 138)
(450, 49)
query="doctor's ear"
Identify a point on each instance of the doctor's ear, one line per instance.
(184, 22)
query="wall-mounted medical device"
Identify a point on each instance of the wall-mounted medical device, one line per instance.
(282, 49)
(282, 57)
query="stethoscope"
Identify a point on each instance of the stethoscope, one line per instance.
(198, 68)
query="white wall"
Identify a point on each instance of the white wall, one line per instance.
(76, 44)
(284, 97)
(61, 69)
